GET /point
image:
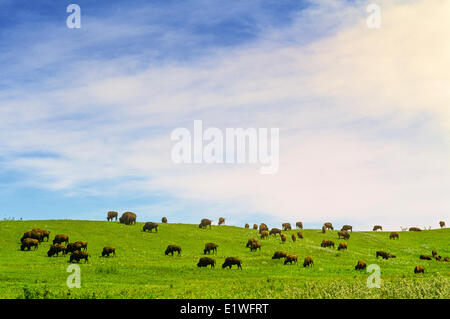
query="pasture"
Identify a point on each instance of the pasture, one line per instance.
(141, 270)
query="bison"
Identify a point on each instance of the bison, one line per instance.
(262, 227)
(283, 238)
(204, 223)
(150, 226)
(128, 218)
(210, 247)
(360, 265)
(45, 233)
(299, 225)
(56, 249)
(221, 221)
(384, 255)
(328, 226)
(347, 228)
(434, 253)
(275, 231)
(393, 235)
(72, 247)
(83, 244)
(300, 235)
(61, 238)
(255, 226)
(230, 261)
(342, 246)
(112, 215)
(442, 224)
(414, 229)
(293, 237)
(327, 243)
(78, 255)
(344, 234)
(419, 269)
(28, 243)
(173, 248)
(34, 235)
(377, 227)
(255, 246)
(308, 261)
(247, 226)
(264, 234)
(286, 226)
(205, 261)
(279, 254)
(249, 242)
(425, 257)
(164, 220)
(290, 258)
(109, 250)
(324, 229)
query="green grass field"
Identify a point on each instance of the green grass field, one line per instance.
(141, 270)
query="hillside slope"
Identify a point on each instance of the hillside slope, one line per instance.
(141, 270)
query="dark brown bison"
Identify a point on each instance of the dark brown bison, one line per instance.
(299, 225)
(419, 269)
(150, 226)
(308, 261)
(164, 220)
(210, 247)
(414, 229)
(255, 226)
(324, 229)
(393, 235)
(344, 234)
(377, 227)
(71, 247)
(34, 235)
(342, 246)
(249, 242)
(446, 259)
(221, 221)
(78, 255)
(45, 233)
(347, 228)
(128, 218)
(112, 215)
(61, 238)
(263, 227)
(442, 224)
(204, 223)
(255, 246)
(434, 253)
(384, 255)
(279, 254)
(247, 226)
(83, 244)
(56, 249)
(290, 258)
(109, 250)
(275, 231)
(425, 257)
(300, 235)
(329, 226)
(286, 226)
(294, 238)
(206, 261)
(264, 234)
(171, 249)
(28, 243)
(438, 258)
(327, 243)
(230, 261)
(361, 265)
(283, 238)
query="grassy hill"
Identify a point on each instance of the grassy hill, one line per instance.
(141, 270)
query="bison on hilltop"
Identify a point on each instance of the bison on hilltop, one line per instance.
(393, 235)
(111, 215)
(328, 226)
(164, 220)
(61, 238)
(361, 265)
(419, 269)
(347, 228)
(255, 226)
(108, 250)
(247, 226)
(56, 249)
(414, 229)
(342, 246)
(28, 243)
(206, 261)
(291, 259)
(230, 261)
(308, 261)
(210, 247)
(204, 223)
(377, 227)
(262, 227)
(344, 234)
(171, 249)
(299, 225)
(286, 226)
(442, 224)
(128, 218)
(150, 226)
(279, 254)
(221, 221)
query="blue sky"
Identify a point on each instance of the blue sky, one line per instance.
(86, 114)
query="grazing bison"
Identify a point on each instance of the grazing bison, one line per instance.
(56, 249)
(377, 227)
(384, 255)
(112, 215)
(28, 243)
(249, 242)
(78, 255)
(173, 248)
(434, 253)
(128, 218)
(279, 254)
(263, 227)
(164, 220)
(45, 233)
(150, 226)
(286, 226)
(283, 238)
(61, 238)
(204, 223)
(255, 226)
(342, 246)
(414, 229)
(72, 247)
(247, 226)
(361, 265)
(210, 247)
(83, 244)
(446, 259)
(221, 221)
(230, 261)
(299, 225)
(264, 234)
(327, 243)
(205, 261)
(300, 235)
(344, 234)
(109, 250)
(33, 235)
(255, 246)
(293, 237)
(347, 228)
(324, 229)
(329, 226)
(393, 235)
(308, 261)
(425, 257)
(438, 258)
(275, 231)
(419, 269)
(442, 224)
(290, 258)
